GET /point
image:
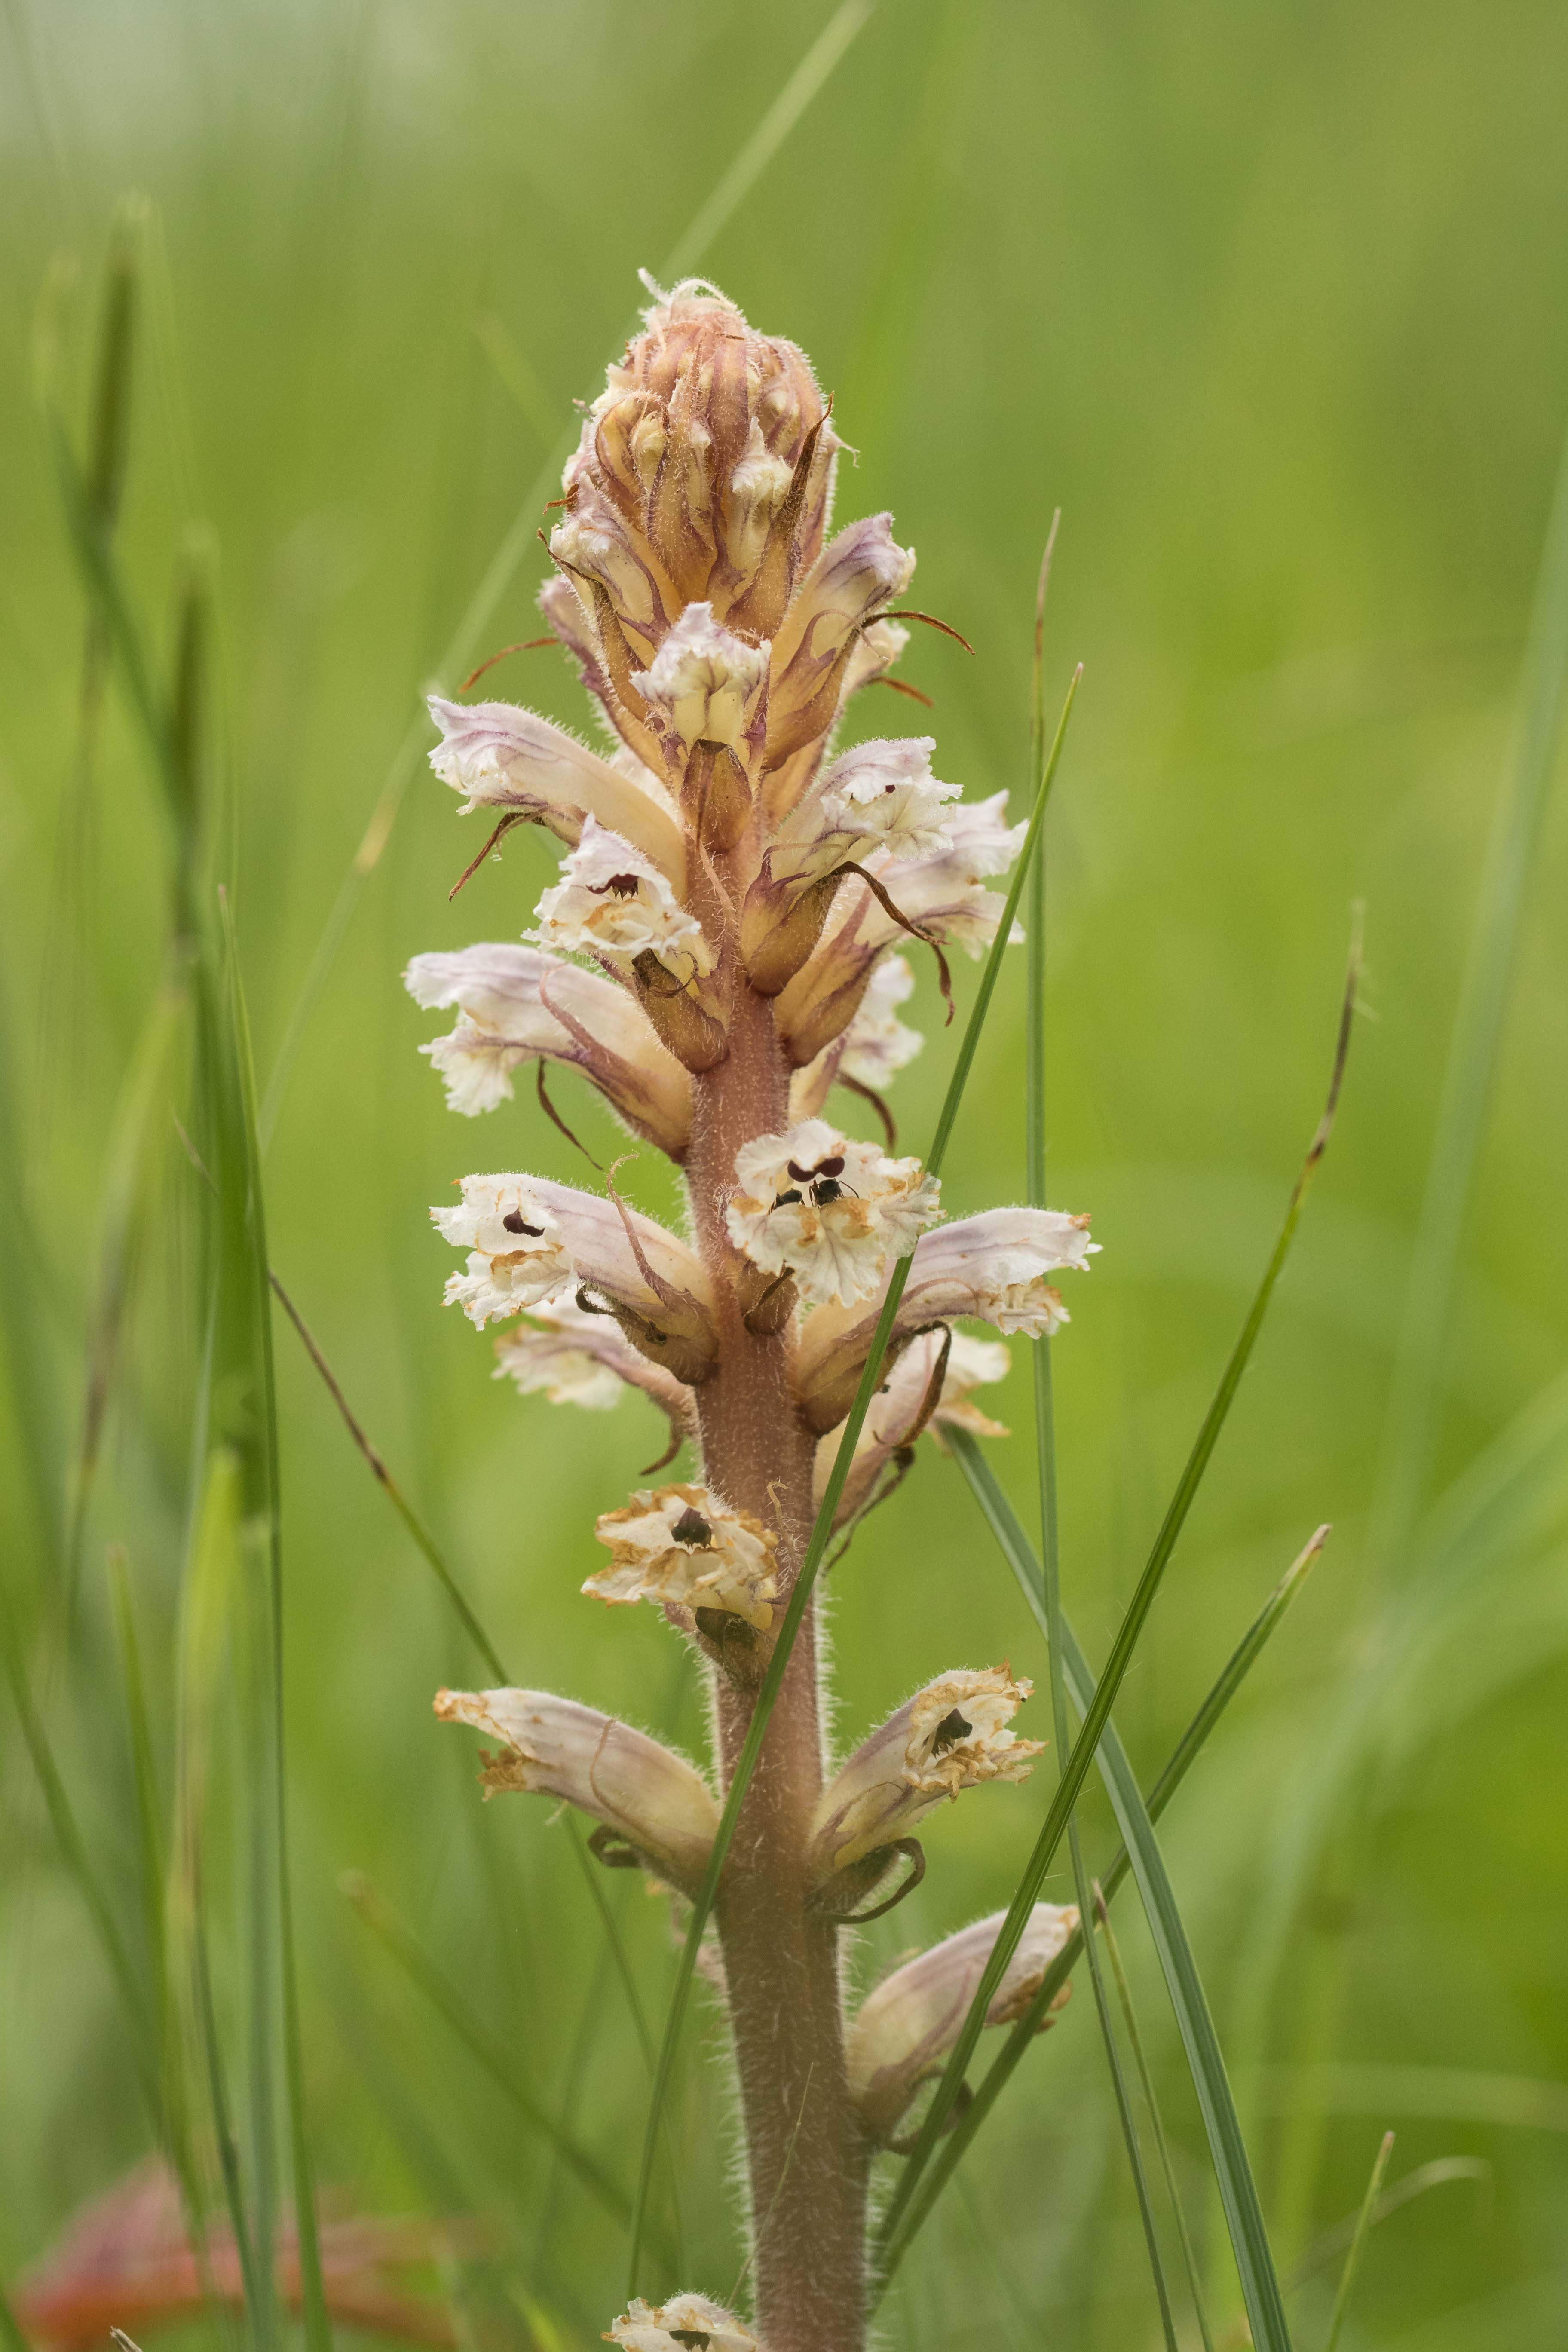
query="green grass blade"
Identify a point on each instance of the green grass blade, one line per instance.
(1474, 1049)
(448, 2003)
(1364, 2222)
(822, 1530)
(1076, 1768)
(11, 2333)
(998, 1511)
(1156, 2123)
(734, 186)
(250, 1236)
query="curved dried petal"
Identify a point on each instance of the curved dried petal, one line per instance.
(654, 1799)
(505, 758)
(517, 1005)
(682, 1546)
(832, 1210)
(909, 2022)
(951, 1736)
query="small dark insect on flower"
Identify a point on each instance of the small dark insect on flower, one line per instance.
(692, 1529)
(949, 1731)
(692, 2336)
(513, 1223)
(625, 886)
(821, 1185)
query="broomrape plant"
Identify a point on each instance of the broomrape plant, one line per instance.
(718, 956)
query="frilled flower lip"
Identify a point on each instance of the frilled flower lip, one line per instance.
(829, 1210)
(516, 1253)
(877, 800)
(682, 1546)
(613, 902)
(704, 680)
(953, 1735)
(687, 2322)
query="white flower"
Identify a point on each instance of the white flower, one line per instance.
(952, 1735)
(613, 902)
(516, 1005)
(876, 1043)
(687, 2322)
(515, 1253)
(505, 758)
(540, 1357)
(654, 1801)
(901, 1409)
(704, 679)
(831, 1210)
(681, 1545)
(880, 796)
(993, 1267)
(909, 2022)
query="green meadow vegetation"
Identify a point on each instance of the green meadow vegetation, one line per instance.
(1267, 302)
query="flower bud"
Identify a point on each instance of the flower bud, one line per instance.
(683, 1546)
(863, 569)
(830, 1210)
(687, 2322)
(660, 1804)
(703, 686)
(516, 1005)
(508, 759)
(908, 2025)
(951, 1736)
(990, 1267)
(707, 448)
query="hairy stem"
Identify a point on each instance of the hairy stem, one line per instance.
(807, 2155)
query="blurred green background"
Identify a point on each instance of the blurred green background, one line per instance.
(1270, 300)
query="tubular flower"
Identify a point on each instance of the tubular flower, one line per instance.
(515, 1253)
(516, 1005)
(682, 1546)
(909, 2022)
(575, 1356)
(879, 796)
(687, 2322)
(508, 759)
(830, 1210)
(871, 1051)
(613, 902)
(952, 1735)
(928, 1389)
(990, 1267)
(649, 1798)
(703, 683)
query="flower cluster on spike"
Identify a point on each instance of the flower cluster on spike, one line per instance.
(723, 956)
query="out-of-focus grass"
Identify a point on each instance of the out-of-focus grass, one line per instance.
(1267, 302)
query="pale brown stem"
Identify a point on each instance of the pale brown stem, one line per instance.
(807, 2155)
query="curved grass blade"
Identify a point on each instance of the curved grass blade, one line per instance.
(734, 187)
(1362, 2224)
(1075, 1767)
(444, 1997)
(998, 1511)
(821, 1532)
(244, 1217)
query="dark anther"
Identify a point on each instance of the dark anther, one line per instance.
(692, 1529)
(513, 1223)
(833, 1166)
(802, 1175)
(949, 1731)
